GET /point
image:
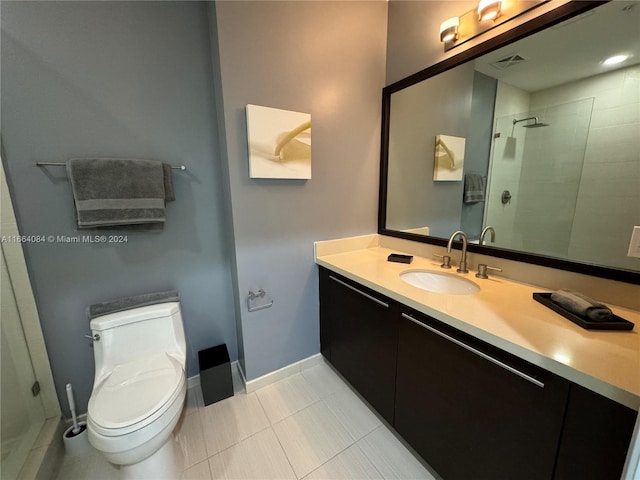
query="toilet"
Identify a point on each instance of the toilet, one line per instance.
(139, 390)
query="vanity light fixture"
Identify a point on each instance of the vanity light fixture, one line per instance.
(449, 29)
(489, 9)
(614, 60)
(488, 14)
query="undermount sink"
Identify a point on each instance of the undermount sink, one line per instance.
(440, 282)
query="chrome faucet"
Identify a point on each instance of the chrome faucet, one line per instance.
(462, 268)
(486, 229)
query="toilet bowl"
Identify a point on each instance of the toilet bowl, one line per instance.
(139, 390)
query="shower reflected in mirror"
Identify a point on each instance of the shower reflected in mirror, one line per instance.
(536, 123)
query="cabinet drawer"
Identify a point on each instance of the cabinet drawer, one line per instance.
(472, 410)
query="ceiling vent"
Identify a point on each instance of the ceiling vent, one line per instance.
(507, 62)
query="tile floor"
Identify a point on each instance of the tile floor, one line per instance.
(310, 425)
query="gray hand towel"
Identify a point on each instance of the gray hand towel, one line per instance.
(127, 303)
(169, 194)
(109, 191)
(576, 302)
(473, 188)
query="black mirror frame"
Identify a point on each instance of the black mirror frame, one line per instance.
(560, 14)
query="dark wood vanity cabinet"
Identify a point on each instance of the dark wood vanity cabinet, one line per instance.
(596, 437)
(359, 336)
(472, 410)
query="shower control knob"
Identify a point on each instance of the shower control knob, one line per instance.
(506, 197)
(93, 338)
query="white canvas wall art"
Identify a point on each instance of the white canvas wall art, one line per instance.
(449, 158)
(279, 143)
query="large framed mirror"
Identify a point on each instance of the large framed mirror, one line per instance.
(551, 144)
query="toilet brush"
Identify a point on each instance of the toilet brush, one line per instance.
(72, 407)
(75, 437)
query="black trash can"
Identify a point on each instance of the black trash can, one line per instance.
(215, 374)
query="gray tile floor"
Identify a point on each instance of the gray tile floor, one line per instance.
(310, 425)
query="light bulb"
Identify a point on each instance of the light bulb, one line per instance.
(489, 9)
(449, 29)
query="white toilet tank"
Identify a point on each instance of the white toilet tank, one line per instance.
(138, 333)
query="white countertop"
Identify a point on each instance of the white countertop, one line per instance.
(503, 313)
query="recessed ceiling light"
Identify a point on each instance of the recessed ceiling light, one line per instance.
(615, 60)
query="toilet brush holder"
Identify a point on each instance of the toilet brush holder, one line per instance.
(76, 444)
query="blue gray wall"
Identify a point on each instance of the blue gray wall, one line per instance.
(326, 59)
(141, 79)
(124, 79)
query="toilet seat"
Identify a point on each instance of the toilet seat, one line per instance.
(133, 395)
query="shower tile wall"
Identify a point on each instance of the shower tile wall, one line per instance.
(550, 177)
(609, 198)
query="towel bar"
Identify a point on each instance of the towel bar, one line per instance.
(61, 164)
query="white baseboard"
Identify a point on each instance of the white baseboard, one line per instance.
(284, 372)
(269, 378)
(240, 374)
(193, 381)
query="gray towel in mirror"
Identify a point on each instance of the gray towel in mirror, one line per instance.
(473, 188)
(127, 303)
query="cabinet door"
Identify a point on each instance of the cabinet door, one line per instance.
(473, 411)
(596, 436)
(329, 308)
(359, 338)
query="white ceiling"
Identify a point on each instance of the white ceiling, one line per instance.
(571, 50)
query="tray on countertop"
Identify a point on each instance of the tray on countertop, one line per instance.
(615, 323)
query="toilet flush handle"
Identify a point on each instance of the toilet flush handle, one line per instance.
(94, 338)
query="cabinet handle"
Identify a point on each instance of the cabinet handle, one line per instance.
(380, 302)
(477, 352)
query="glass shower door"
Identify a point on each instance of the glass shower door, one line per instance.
(22, 413)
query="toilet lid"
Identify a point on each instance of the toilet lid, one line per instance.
(134, 391)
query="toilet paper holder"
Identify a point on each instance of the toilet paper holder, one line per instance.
(253, 297)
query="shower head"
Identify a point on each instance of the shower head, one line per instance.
(535, 124)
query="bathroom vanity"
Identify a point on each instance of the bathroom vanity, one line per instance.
(491, 384)
(487, 385)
